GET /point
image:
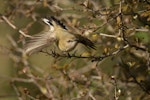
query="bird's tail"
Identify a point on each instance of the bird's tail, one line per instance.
(37, 42)
(85, 41)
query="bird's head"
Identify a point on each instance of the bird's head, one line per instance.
(54, 23)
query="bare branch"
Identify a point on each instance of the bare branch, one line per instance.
(13, 26)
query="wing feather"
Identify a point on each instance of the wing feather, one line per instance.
(38, 42)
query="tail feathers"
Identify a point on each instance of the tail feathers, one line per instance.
(37, 43)
(85, 41)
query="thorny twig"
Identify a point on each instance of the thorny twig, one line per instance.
(134, 78)
(94, 58)
(122, 30)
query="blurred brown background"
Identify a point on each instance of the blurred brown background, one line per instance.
(117, 70)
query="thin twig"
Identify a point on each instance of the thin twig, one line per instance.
(92, 97)
(50, 92)
(111, 36)
(8, 22)
(105, 23)
(16, 91)
(14, 27)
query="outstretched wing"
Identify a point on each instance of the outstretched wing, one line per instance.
(38, 42)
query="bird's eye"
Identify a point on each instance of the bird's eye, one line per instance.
(70, 41)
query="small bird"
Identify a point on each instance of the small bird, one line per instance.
(57, 33)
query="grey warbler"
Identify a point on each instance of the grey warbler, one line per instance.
(57, 33)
